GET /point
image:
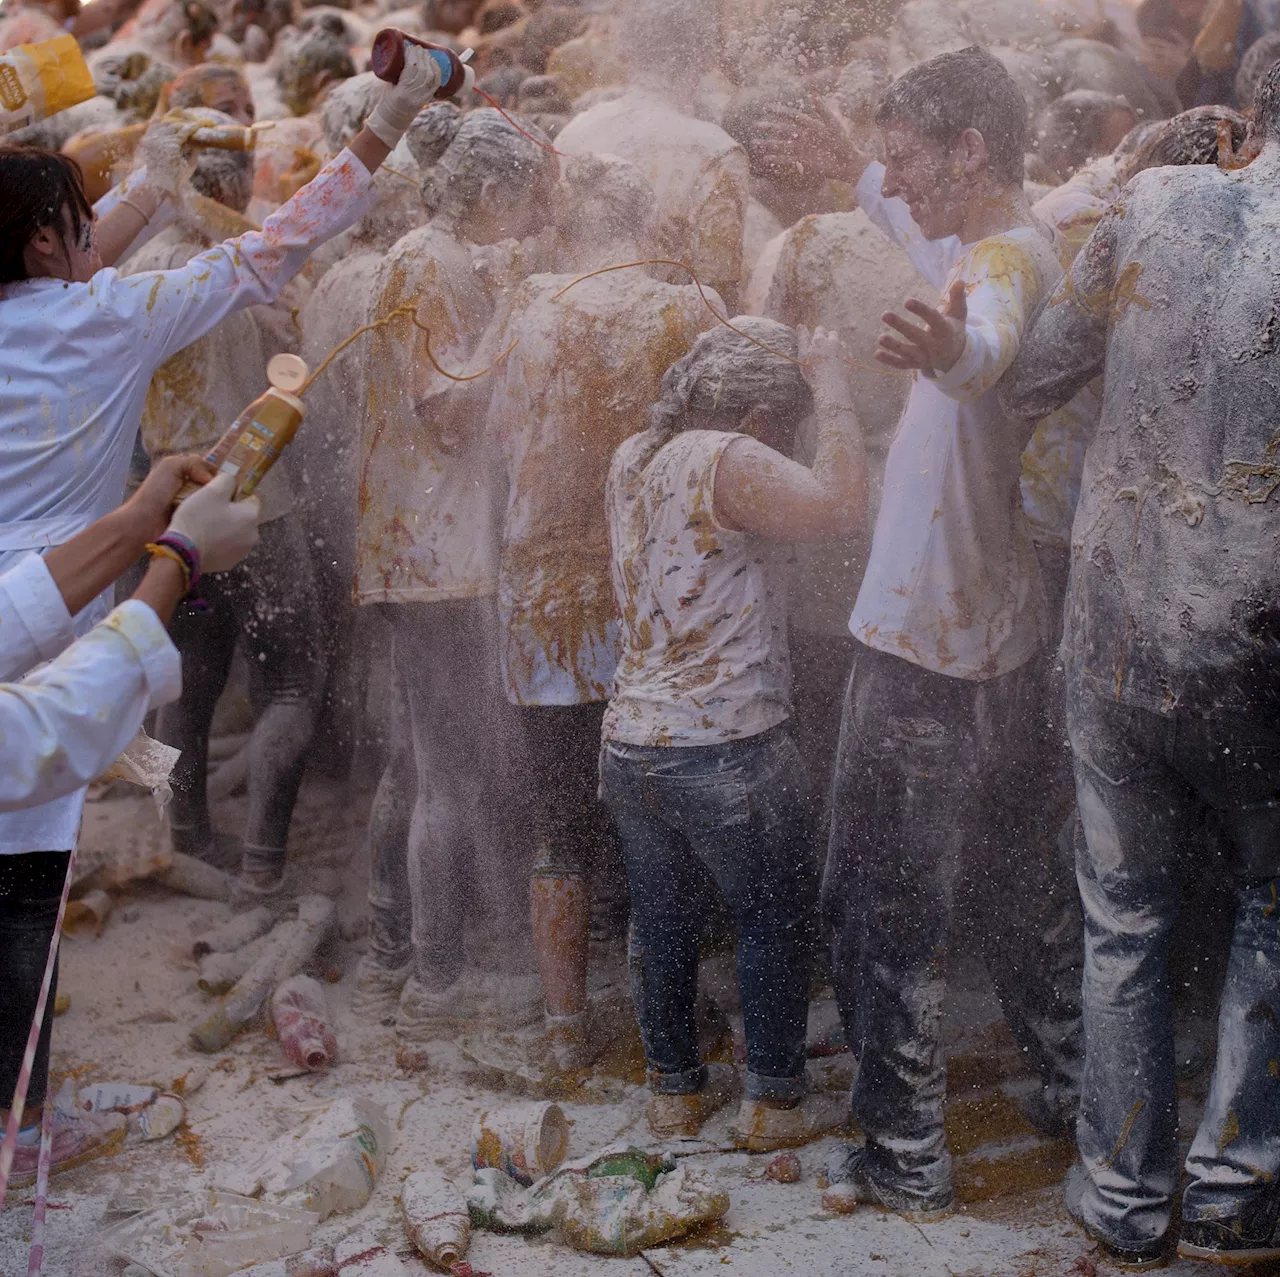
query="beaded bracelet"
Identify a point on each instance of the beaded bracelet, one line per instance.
(189, 551)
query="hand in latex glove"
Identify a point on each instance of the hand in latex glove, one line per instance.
(223, 530)
(402, 101)
(161, 152)
(152, 504)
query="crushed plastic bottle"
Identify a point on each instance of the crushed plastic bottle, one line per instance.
(301, 1017)
(618, 1202)
(209, 1234)
(435, 1218)
(329, 1164)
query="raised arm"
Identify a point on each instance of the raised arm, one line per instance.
(171, 309)
(968, 342)
(759, 490)
(1065, 347)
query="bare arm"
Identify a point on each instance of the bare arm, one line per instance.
(369, 149)
(84, 566)
(118, 229)
(759, 490)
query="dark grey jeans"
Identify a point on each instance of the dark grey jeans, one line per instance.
(1146, 783)
(940, 825)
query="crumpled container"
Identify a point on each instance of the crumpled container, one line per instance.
(210, 1234)
(618, 1202)
(329, 1164)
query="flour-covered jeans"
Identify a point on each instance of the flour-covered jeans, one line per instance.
(740, 811)
(942, 830)
(1145, 783)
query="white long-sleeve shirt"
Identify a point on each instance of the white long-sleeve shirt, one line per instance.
(68, 721)
(75, 363)
(952, 581)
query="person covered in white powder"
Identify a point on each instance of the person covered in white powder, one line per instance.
(698, 766)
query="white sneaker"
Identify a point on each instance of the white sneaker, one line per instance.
(377, 990)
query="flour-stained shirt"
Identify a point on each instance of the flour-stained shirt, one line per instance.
(75, 364)
(704, 649)
(952, 581)
(580, 381)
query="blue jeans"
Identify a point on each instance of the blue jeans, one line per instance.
(740, 811)
(1145, 783)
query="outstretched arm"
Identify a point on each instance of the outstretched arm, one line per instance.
(759, 490)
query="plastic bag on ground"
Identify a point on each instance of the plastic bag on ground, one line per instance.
(329, 1164)
(210, 1234)
(618, 1202)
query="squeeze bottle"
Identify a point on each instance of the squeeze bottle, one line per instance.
(386, 61)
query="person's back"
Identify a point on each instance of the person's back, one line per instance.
(586, 368)
(1172, 689)
(704, 650)
(698, 172)
(1177, 573)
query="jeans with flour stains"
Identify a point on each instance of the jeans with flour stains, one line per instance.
(1145, 784)
(741, 812)
(943, 830)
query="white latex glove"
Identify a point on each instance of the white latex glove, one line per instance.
(223, 530)
(401, 102)
(161, 153)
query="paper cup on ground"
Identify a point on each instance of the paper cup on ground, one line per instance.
(527, 1141)
(86, 917)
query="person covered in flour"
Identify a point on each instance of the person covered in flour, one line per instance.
(79, 345)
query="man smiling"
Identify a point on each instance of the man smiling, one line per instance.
(940, 746)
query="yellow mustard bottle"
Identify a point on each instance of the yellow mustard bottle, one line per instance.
(254, 442)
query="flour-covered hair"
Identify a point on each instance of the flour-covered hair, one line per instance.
(725, 372)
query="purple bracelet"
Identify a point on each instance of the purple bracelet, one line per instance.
(187, 550)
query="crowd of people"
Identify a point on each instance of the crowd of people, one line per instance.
(809, 470)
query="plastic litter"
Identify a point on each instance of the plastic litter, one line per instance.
(435, 1218)
(151, 1112)
(193, 877)
(209, 1234)
(329, 1164)
(161, 1118)
(525, 1141)
(87, 916)
(301, 1017)
(618, 1202)
(312, 1263)
(234, 934)
(289, 946)
(220, 971)
(364, 1256)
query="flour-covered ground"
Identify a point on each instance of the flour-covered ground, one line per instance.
(134, 1000)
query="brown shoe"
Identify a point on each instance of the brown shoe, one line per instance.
(763, 1126)
(680, 1117)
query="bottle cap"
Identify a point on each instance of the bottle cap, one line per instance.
(287, 372)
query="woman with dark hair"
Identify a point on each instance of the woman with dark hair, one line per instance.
(78, 346)
(697, 766)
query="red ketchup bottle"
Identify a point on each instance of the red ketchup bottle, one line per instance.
(386, 61)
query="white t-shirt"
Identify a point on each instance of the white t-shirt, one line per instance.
(698, 172)
(704, 650)
(427, 507)
(580, 381)
(952, 581)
